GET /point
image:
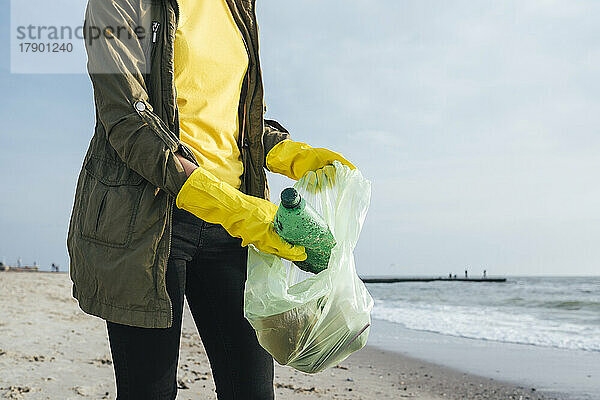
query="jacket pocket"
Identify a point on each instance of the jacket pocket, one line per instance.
(110, 200)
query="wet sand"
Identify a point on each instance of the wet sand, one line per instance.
(50, 349)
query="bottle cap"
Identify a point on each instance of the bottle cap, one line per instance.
(290, 198)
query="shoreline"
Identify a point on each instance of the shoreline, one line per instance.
(50, 349)
(439, 381)
(561, 373)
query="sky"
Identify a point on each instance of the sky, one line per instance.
(476, 122)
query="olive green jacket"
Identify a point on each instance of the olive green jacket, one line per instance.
(120, 228)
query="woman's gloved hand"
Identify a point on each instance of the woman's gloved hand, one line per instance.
(294, 159)
(247, 217)
(320, 179)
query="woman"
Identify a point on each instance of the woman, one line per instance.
(173, 189)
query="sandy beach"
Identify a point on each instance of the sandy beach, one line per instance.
(50, 349)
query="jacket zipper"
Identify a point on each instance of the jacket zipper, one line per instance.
(176, 7)
(155, 29)
(261, 176)
(169, 255)
(170, 222)
(245, 145)
(155, 32)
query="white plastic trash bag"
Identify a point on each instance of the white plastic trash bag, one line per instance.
(312, 322)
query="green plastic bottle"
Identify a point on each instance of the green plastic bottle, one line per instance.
(300, 224)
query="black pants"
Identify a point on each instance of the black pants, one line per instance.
(209, 267)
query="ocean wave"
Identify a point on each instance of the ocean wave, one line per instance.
(571, 305)
(489, 323)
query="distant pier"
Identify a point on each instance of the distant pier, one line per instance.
(19, 269)
(394, 280)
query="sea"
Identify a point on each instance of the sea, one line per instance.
(553, 312)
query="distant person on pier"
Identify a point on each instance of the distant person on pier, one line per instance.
(484, 274)
(466, 274)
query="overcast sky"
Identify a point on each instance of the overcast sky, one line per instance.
(477, 123)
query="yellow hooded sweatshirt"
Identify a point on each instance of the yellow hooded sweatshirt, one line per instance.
(210, 64)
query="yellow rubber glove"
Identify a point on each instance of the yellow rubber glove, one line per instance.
(320, 179)
(294, 159)
(247, 217)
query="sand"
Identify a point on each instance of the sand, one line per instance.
(50, 349)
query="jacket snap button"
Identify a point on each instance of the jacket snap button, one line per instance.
(140, 106)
